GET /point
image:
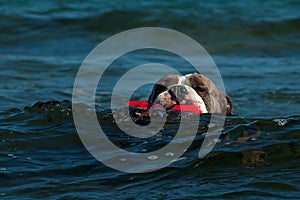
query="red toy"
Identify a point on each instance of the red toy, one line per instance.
(184, 108)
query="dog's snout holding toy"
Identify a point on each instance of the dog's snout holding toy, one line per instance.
(180, 94)
(193, 89)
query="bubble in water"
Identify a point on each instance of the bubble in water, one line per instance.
(175, 160)
(281, 122)
(144, 150)
(215, 140)
(169, 154)
(227, 143)
(153, 157)
(123, 159)
(211, 125)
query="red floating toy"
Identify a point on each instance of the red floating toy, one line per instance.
(184, 108)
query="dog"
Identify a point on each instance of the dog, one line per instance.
(194, 89)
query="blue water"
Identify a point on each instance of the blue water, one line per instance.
(256, 47)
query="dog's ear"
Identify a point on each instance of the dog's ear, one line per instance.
(208, 91)
(199, 83)
(228, 106)
(157, 89)
(161, 86)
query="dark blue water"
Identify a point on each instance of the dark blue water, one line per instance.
(256, 47)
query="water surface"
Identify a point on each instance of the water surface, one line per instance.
(256, 47)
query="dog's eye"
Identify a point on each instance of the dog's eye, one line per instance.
(182, 90)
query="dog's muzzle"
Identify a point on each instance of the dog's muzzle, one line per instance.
(180, 94)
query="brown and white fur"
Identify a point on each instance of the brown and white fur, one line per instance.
(190, 89)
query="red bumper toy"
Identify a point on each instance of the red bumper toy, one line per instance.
(183, 108)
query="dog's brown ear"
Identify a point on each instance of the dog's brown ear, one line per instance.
(162, 85)
(157, 89)
(199, 83)
(228, 106)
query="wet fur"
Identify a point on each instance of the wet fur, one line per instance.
(215, 100)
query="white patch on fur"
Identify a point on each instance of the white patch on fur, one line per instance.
(182, 80)
(199, 101)
(164, 99)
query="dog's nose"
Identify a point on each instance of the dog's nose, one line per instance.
(157, 101)
(178, 93)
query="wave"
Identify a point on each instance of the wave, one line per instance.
(39, 143)
(51, 123)
(220, 31)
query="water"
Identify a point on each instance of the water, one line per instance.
(255, 46)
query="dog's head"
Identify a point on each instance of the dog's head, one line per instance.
(190, 89)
